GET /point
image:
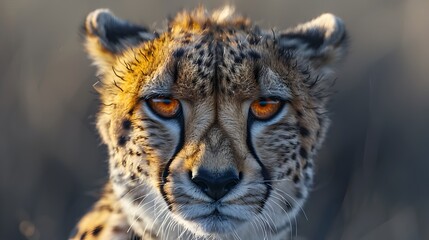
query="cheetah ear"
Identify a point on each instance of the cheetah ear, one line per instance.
(322, 41)
(107, 36)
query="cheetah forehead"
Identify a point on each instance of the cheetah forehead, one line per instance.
(221, 53)
(214, 63)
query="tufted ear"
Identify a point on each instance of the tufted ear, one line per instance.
(322, 41)
(108, 36)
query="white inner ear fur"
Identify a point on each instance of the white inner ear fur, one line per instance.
(329, 23)
(330, 26)
(91, 22)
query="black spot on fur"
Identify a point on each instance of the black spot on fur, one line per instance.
(97, 230)
(293, 156)
(227, 79)
(130, 152)
(179, 53)
(296, 179)
(131, 111)
(232, 52)
(299, 113)
(303, 152)
(289, 171)
(199, 61)
(238, 60)
(122, 140)
(126, 124)
(254, 55)
(304, 131)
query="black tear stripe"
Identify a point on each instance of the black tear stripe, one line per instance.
(265, 174)
(164, 173)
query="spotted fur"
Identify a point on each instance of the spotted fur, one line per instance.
(215, 65)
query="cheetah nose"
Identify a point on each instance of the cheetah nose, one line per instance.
(215, 185)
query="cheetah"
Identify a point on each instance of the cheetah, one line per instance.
(211, 125)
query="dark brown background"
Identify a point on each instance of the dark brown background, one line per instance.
(373, 172)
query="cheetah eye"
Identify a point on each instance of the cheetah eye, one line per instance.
(165, 107)
(265, 108)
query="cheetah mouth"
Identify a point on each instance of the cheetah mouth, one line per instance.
(216, 215)
(216, 222)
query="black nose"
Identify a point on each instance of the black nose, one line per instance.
(215, 185)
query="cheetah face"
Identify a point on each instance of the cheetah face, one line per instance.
(212, 125)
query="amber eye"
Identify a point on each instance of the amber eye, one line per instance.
(265, 108)
(164, 106)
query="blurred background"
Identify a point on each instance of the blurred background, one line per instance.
(373, 172)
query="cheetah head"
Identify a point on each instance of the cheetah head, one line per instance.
(212, 124)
